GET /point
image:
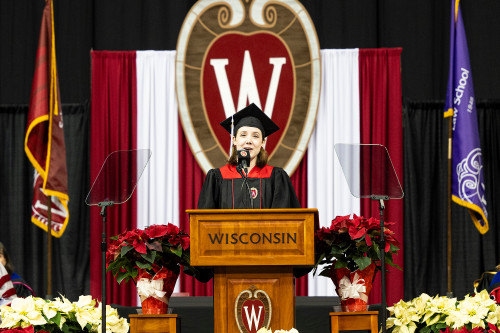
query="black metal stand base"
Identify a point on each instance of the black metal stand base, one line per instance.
(383, 309)
(104, 246)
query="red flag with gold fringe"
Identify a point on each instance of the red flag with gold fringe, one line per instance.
(44, 141)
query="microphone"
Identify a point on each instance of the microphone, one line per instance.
(244, 159)
(243, 164)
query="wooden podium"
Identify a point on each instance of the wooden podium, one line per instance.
(253, 253)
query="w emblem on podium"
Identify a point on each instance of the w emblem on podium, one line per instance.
(252, 310)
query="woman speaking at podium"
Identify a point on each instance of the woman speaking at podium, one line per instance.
(247, 181)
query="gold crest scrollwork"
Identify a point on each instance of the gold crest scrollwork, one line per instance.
(223, 17)
(231, 14)
(263, 13)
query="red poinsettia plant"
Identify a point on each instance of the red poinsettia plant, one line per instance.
(353, 243)
(147, 253)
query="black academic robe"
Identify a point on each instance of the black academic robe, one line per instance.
(269, 187)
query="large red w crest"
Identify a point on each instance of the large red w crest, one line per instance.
(235, 52)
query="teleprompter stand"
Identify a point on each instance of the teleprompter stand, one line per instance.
(114, 185)
(369, 173)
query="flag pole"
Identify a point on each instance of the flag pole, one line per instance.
(463, 137)
(44, 142)
(449, 292)
(449, 107)
(49, 247)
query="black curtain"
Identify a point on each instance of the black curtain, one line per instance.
(425, 204)
(421, 28)
(27, 243)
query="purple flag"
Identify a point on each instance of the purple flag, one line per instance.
(467, 168)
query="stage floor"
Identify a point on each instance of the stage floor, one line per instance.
(197, 313)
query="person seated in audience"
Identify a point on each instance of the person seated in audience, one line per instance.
(7, 291)
(21, 287)
(494, 287)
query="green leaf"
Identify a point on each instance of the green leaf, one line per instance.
(321, 257)
(143, 265)
(73, 326)
(125, 250)
(325, 273)
(425, 329)
(57, 319)
(340, 264)
(149, 256)
(65, 328)
(186, 259)
(122, 276)
(317, 263)
(72, 317)
(336, 251)
(116, 264)
(434, 328)
(393, 248)
(363, 262)
(376, 250)
(177, 251)
(47, 327)
(115, 271)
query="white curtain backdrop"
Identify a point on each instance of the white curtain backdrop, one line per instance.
(157, 129)
(337, 122)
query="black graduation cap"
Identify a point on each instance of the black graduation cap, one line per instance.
(251, 116)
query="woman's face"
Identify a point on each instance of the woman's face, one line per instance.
(249, 138)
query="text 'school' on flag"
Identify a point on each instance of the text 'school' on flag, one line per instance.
(44, 141)
(467, 168)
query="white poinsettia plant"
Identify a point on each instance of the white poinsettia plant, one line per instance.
(265, 330)
(60, 315)
(425, 314)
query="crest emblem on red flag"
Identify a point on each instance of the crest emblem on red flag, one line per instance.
(235, 52)
(44, 141)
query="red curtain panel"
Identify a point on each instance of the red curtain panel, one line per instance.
(112, 128)
(381, 123)
(191, 179)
